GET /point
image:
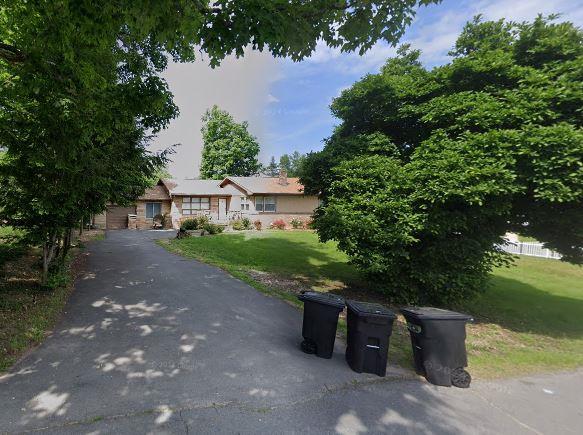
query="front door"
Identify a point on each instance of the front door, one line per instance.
(222, 208)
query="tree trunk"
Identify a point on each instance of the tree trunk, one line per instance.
(49, 248)
(67, 242)
(45, 263)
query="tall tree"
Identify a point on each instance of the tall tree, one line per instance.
(292, 163)
(272, 169)
(81, 87)
(285, 163)
(228, 147)
(429, 168)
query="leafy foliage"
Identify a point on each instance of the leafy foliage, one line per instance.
(195, 223)
(271, 169)
(430, 168)
(229, 149)
(292, 163)
(237, 225)
(246, 223)
(297, 223)
(213, 228)
(278, 224)
(81, 90)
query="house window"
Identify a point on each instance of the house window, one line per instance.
(265, 203)
(191, 204)
(153, 209)
(244, 203)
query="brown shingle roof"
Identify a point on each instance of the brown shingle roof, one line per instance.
(267, 185)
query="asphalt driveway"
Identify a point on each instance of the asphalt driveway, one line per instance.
(155, 343)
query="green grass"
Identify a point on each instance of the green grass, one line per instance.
(526, 239)
(528, 320)
(289, 253)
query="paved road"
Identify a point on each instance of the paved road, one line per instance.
(155, 343)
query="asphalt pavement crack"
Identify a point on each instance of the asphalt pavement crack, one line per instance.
(183, 421)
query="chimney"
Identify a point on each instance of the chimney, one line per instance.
(282, 177)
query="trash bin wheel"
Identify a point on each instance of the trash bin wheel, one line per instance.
(460, 378)
(308, 346)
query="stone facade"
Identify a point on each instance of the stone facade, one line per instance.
(289, 202)
(144, 223)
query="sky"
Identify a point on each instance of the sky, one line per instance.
(287, 103)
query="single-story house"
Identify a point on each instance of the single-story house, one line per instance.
(259, 198)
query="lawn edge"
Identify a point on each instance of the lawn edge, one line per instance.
(287, 297)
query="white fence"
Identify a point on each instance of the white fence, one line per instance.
(532, 249)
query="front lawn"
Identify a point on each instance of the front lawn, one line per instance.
(528, 320)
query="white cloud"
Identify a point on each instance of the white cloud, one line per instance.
(436, 37)
(272, 99)
(240, 86)
(526, 10)
(333, 60)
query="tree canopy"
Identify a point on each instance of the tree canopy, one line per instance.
(228, 147)
(292, 163)
(429, 168)
(271, 169)
(80, 88)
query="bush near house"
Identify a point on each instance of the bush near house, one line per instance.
(195, 223)
(237, 225)
(278, 224)
(213, 228)
(297, 223)
(258, 225)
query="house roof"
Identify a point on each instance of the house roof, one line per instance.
(156, 193)
(267, 185)
(199, 187)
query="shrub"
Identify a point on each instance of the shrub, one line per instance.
(257, 224)
(189, 224)
(213, 228)
(59, 275)
(309, 224)
(202, 221)
(238, 225)
(195, 223)
(297, 223)
(246, 223)
(278, 223)
(420, 198)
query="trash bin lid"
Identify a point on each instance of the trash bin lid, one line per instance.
(322, 298)
(431, 313)
(369, 309)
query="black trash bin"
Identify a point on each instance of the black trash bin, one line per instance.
(438, 338)
(369, 329)
(321, 312)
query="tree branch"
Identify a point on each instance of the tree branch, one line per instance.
(11, 54)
